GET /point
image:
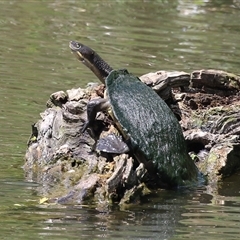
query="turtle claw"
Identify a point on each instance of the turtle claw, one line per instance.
(85, 126)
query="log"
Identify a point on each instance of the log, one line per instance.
(64, 161)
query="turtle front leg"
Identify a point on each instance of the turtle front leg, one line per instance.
(93, 107)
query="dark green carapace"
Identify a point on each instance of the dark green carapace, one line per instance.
(152, 127)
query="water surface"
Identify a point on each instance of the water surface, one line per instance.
(142, 36)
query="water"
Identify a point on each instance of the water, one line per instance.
(142, 36)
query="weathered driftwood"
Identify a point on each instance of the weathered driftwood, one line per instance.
(64, 161)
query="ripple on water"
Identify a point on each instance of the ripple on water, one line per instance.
(142, 36)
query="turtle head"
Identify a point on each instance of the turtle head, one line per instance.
(82, 52)
(91, 59)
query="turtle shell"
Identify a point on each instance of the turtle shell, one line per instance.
(151, 125)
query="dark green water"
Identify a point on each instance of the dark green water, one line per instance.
(142, 36)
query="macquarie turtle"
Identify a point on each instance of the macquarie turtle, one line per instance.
(152, 131)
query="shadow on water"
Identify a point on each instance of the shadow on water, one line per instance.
(142, 36)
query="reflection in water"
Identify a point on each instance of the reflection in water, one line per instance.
(158, 218)
(142, 36)
(171, 215)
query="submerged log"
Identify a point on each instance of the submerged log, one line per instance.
(71, 171)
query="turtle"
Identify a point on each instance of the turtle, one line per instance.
(149, 128)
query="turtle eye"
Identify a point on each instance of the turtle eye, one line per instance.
(78, 45)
